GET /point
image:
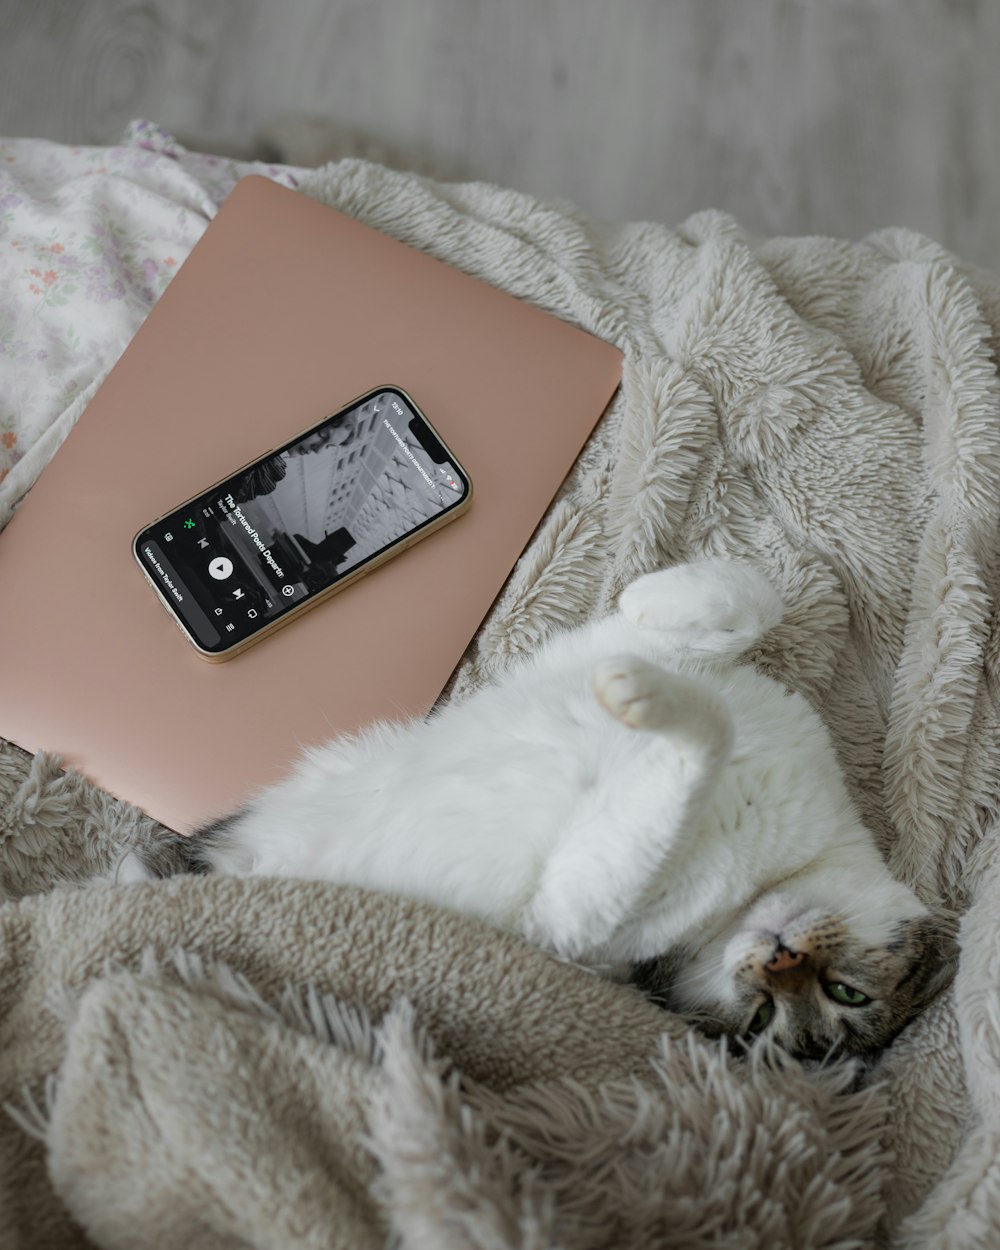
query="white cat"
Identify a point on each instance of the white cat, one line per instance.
(633, 799)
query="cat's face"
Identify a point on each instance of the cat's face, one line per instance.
(806, 977)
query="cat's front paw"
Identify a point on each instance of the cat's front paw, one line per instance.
(710, 605)
(633, 691)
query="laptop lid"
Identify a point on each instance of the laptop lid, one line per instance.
(284, 312)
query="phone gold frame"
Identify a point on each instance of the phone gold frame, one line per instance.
(430, 527)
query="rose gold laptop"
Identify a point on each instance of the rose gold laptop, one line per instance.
(284, 313)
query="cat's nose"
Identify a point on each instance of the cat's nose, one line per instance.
(783, 959)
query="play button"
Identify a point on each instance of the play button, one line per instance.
(220, 568)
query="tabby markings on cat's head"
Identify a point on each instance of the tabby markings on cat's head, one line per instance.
(811, 985)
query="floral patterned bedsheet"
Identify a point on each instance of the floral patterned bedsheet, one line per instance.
(89, 238)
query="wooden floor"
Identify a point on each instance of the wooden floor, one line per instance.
(799, 116)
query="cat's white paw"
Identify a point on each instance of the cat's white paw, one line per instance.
(709, 606)
(643, 696)
(634, 691)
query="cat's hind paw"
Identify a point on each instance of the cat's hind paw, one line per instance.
(645, 697)
(630, 689)
(640, 694)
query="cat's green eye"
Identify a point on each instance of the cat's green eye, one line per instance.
(846, 995)
(762, 1017)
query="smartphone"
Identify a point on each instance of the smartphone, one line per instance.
(272, 540)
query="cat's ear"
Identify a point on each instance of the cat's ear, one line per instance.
(931, 944)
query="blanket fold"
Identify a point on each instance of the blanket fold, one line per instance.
(204, 1097)
(828, 410)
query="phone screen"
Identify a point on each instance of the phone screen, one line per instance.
(285, 529)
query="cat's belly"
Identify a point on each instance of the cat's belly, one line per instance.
(474, 837)
(765, 824)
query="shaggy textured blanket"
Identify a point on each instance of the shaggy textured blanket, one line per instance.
(216, 1063)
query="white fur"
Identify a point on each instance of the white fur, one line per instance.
(627, 789)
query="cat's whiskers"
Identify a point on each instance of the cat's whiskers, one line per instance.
(694, 979)
(698, 979)
(851, 918)
(696, 982)
(845, 919)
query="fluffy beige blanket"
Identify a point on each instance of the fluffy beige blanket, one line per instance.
(207, 1063)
